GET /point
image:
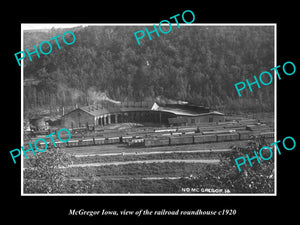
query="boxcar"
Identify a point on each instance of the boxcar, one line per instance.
(245, 135)
(112, 140)
(99, 141)
(209, 138)
(227, 137)
(87, 142)
(181, 140)
(199, 139)
(151, 142)
(72, 143)
(136, 142)
(126, 139)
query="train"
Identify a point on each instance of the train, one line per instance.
(201, 139)
(80, 133)
(171, 140)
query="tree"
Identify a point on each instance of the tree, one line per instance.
(199, 63)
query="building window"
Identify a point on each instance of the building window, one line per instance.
(192, 120)
(210, 119)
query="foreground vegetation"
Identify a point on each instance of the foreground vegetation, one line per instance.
(46, 176)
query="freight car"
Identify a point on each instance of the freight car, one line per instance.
(152, 142)
(126, 139)
(86, 142)
(199, 139)
(228, 137)
(246, 135)
(139, 142)
(112, 140)
(209, 138)
(162, 140)
(72, 143)
(181, 140)
(99, 141)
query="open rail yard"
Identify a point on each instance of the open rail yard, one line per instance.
(151, 159)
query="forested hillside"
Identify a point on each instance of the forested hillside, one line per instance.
(199, 64)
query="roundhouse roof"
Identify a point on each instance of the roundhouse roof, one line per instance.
(176, 109)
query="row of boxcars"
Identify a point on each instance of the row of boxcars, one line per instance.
(137, 141)
(201, 139)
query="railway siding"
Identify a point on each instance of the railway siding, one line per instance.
(240, 129)
(183, 139)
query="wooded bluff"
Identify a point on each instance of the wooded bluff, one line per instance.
(199, 64)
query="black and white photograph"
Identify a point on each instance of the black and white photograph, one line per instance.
(149, 109)
(146, 113)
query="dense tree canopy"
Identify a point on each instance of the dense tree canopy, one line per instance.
(199, 64)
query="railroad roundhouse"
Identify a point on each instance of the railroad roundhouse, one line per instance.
(139, 112)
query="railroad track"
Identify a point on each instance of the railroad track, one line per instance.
(154, 152)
